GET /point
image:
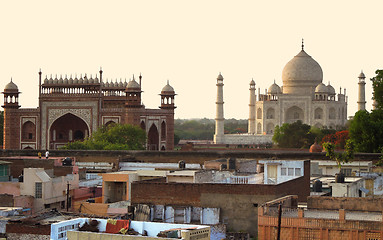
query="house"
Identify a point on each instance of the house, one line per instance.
(324, 218)
(37, 191)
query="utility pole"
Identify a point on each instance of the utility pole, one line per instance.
(67, 197)
(279, 221)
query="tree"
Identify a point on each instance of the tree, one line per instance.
(377, 85)
(113, 137)
(294, 135)
(366, 129)
(340, 158)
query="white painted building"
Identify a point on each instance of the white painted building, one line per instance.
(278, 171)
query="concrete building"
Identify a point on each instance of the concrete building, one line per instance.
(324, 218)
(330, 168)
(70, 230)
(71, 109)
(302, 97)
(38, 191)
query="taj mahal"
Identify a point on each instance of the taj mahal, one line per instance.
(303, 96)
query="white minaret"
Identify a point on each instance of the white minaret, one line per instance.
(251, 128)
(362, 92)
(219, 119)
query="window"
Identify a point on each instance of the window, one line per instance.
(298, 172)
(283, 171)
(30, 136)
(346, 171)
(38, 190)
(291, 172)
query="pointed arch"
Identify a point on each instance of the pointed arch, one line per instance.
(163, 131)
(270, 128)
(270, 113)
(332, 113)
(259, 113)
(28, 132)
(318, 113)
(143, 125)
(67, 128)
(153, 138)
(294, 114)
(259, 128)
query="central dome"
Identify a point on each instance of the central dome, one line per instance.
(301, 75)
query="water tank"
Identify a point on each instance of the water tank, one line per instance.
(67, 161)
(181, 164)
(231, 163)
(317, 187)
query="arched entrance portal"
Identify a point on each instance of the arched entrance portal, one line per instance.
(153, 138)
(67, 128)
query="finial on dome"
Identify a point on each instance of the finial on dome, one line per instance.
(303, 45)
(11, 79)
(168, 81)
(274, 80)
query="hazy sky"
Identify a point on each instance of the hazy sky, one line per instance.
(189, 43)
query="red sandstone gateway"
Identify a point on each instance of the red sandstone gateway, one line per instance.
(71, 108)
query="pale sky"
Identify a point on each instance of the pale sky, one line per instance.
(189, 43)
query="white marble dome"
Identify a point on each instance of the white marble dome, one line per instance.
(301, 75)
(321, 88)
(274, 89)
(331, 89)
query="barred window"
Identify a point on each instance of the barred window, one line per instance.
(38, 190)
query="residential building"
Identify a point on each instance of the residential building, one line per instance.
(324, 218)
(70, 230)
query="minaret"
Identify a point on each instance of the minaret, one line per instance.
(11, 122)
(251, 128)
(219, 119)
(361, 96)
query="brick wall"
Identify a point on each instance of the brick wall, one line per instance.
(175, 156)
(22, 228)
(347, 203)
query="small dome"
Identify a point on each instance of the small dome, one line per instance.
(361, 75)
(111, 84)
(252, 82)
(66, 81)
(331, 90)
(274, 89)
(70, 81)
(106, 84)
(121, 84)
(11, 86)
(96, 80)
(321, 88)
(46, 80)
(220, 77)
(315, 148)
(133, 84)
(50, 81)
(75, 81)
(167, 88)
(61, 80)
